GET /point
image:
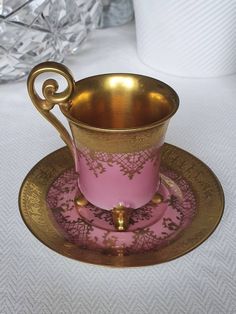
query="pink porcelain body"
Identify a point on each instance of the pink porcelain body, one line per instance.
(130, 179)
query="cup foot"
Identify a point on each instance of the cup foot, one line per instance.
(157, 198)
(80, 200)
(121, 216)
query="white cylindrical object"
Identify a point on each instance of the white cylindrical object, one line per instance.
(194, 38)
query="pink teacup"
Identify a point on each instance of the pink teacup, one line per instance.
(118, 123)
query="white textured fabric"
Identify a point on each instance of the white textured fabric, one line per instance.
(34, 279)
(187, 38)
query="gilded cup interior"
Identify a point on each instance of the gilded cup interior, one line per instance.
(122, 101)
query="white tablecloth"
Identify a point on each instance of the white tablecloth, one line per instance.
(34, 279)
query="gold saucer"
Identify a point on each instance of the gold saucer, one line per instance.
(204, 184)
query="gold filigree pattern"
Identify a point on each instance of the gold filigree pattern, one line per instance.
(145, 239)
(130, 164)
(118, 141)
(75, 231)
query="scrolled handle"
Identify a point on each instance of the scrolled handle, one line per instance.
(49, 90)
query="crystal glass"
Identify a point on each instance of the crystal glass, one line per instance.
(38, 30)
(116, 12)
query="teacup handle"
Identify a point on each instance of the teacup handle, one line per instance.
(49, 90)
